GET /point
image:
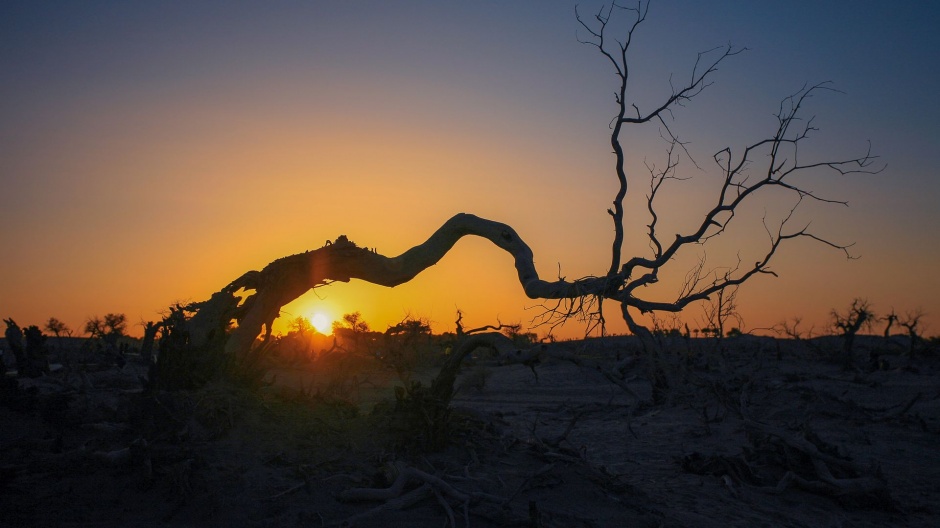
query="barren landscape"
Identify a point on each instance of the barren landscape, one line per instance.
(224, 181)
(752, 431)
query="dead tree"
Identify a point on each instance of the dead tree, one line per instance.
(14, 337)
(910, 322)
(860, 315)
(721, 308)
(770, 163)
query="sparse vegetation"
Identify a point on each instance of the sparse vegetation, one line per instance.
(335, 413)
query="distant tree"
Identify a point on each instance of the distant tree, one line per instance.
(352, 329)
(301, 325)
(720, 308)
(404, 343)
(115, 324)
(14, 337)
(911, 322)
(57, 327)
(150, 334)
(37, 362)
(890, 319)
(94, 327)
(108, 330)
(859, 315)
(352, 321)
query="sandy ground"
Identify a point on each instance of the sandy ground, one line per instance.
(728, 446)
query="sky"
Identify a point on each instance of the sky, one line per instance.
(152, 152)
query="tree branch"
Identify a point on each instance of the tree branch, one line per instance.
(285, 279)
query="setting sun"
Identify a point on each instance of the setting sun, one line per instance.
(322, 322)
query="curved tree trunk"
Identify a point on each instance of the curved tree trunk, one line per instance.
(285, 279)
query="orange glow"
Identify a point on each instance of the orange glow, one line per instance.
(162, 180)
(322, 323)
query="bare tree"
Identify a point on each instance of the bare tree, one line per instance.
(911, 321)
(859, 315)
(721, 308)
(890, 319)
(770, 163)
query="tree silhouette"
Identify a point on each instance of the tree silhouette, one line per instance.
(108, 330)
(57, 327)
(859, 315)
(31, 360)
(14, 337)
(352, 321)
(37, 361)
(772, 166)
(351, 329)
(301, 325)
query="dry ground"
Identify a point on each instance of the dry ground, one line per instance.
(565, 448)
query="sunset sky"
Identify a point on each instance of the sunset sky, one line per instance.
(150, 153)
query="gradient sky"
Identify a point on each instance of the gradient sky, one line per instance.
(150, 153)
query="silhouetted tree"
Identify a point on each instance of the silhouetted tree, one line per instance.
(351, 329)
(115, 324)
(14, 337)
(37, 361)
(301, 325)
(910, 322)
(890, 319)
(719, 309)
(859, 315)
(404, 343)
(105, 333)
(57, 327)
(109, 329)
(774, 162)
(94, 327)
(31, 359)
(352, 321)
(146, 346)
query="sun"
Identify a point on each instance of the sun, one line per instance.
(322, 323)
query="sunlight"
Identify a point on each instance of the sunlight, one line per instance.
(322, 323)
